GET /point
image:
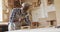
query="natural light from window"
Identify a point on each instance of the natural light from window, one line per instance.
(0, 10)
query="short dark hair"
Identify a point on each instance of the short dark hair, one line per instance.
(26, 6)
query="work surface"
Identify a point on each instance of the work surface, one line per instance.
(38, 30)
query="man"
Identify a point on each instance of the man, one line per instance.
(17, 16)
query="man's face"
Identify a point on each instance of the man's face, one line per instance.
(25, 8)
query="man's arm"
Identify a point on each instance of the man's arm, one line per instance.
(12, 16)
(11, 24)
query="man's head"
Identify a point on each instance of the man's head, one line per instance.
(25, 6)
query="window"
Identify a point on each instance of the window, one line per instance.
(0, 10)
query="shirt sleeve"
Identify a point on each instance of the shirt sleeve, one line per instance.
(12, 16)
